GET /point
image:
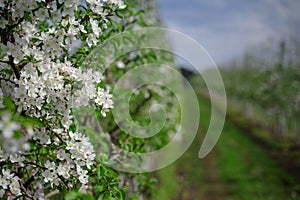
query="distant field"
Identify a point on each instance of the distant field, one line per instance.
(237, 168)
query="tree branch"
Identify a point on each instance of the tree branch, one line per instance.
(8, 80)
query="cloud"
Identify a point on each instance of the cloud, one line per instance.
(227, 27)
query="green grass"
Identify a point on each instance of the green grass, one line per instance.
(168, 186)
(174, 180)
(245, 167)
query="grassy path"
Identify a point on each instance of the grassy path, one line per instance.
(237, 168)
(182, 179)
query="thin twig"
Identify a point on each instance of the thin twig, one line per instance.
(35, 164)
(25, 192)
(50, 194)
(8, 80)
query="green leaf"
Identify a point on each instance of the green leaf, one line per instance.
(117, 24)
(77, 195)
(29, 121)
(99, 172)
(120, 14)
(9, 104)
(27, 17)
(122, 194)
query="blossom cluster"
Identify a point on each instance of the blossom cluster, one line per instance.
(45, 90)
(9, 142)
(9, 180)
(42, 43)
(68, 165)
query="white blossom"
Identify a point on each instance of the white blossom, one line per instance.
(41, 45)
(15, 186)
(48, 175)
(7, 126)
(4, 182)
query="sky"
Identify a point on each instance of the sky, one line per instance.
(226, 28)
